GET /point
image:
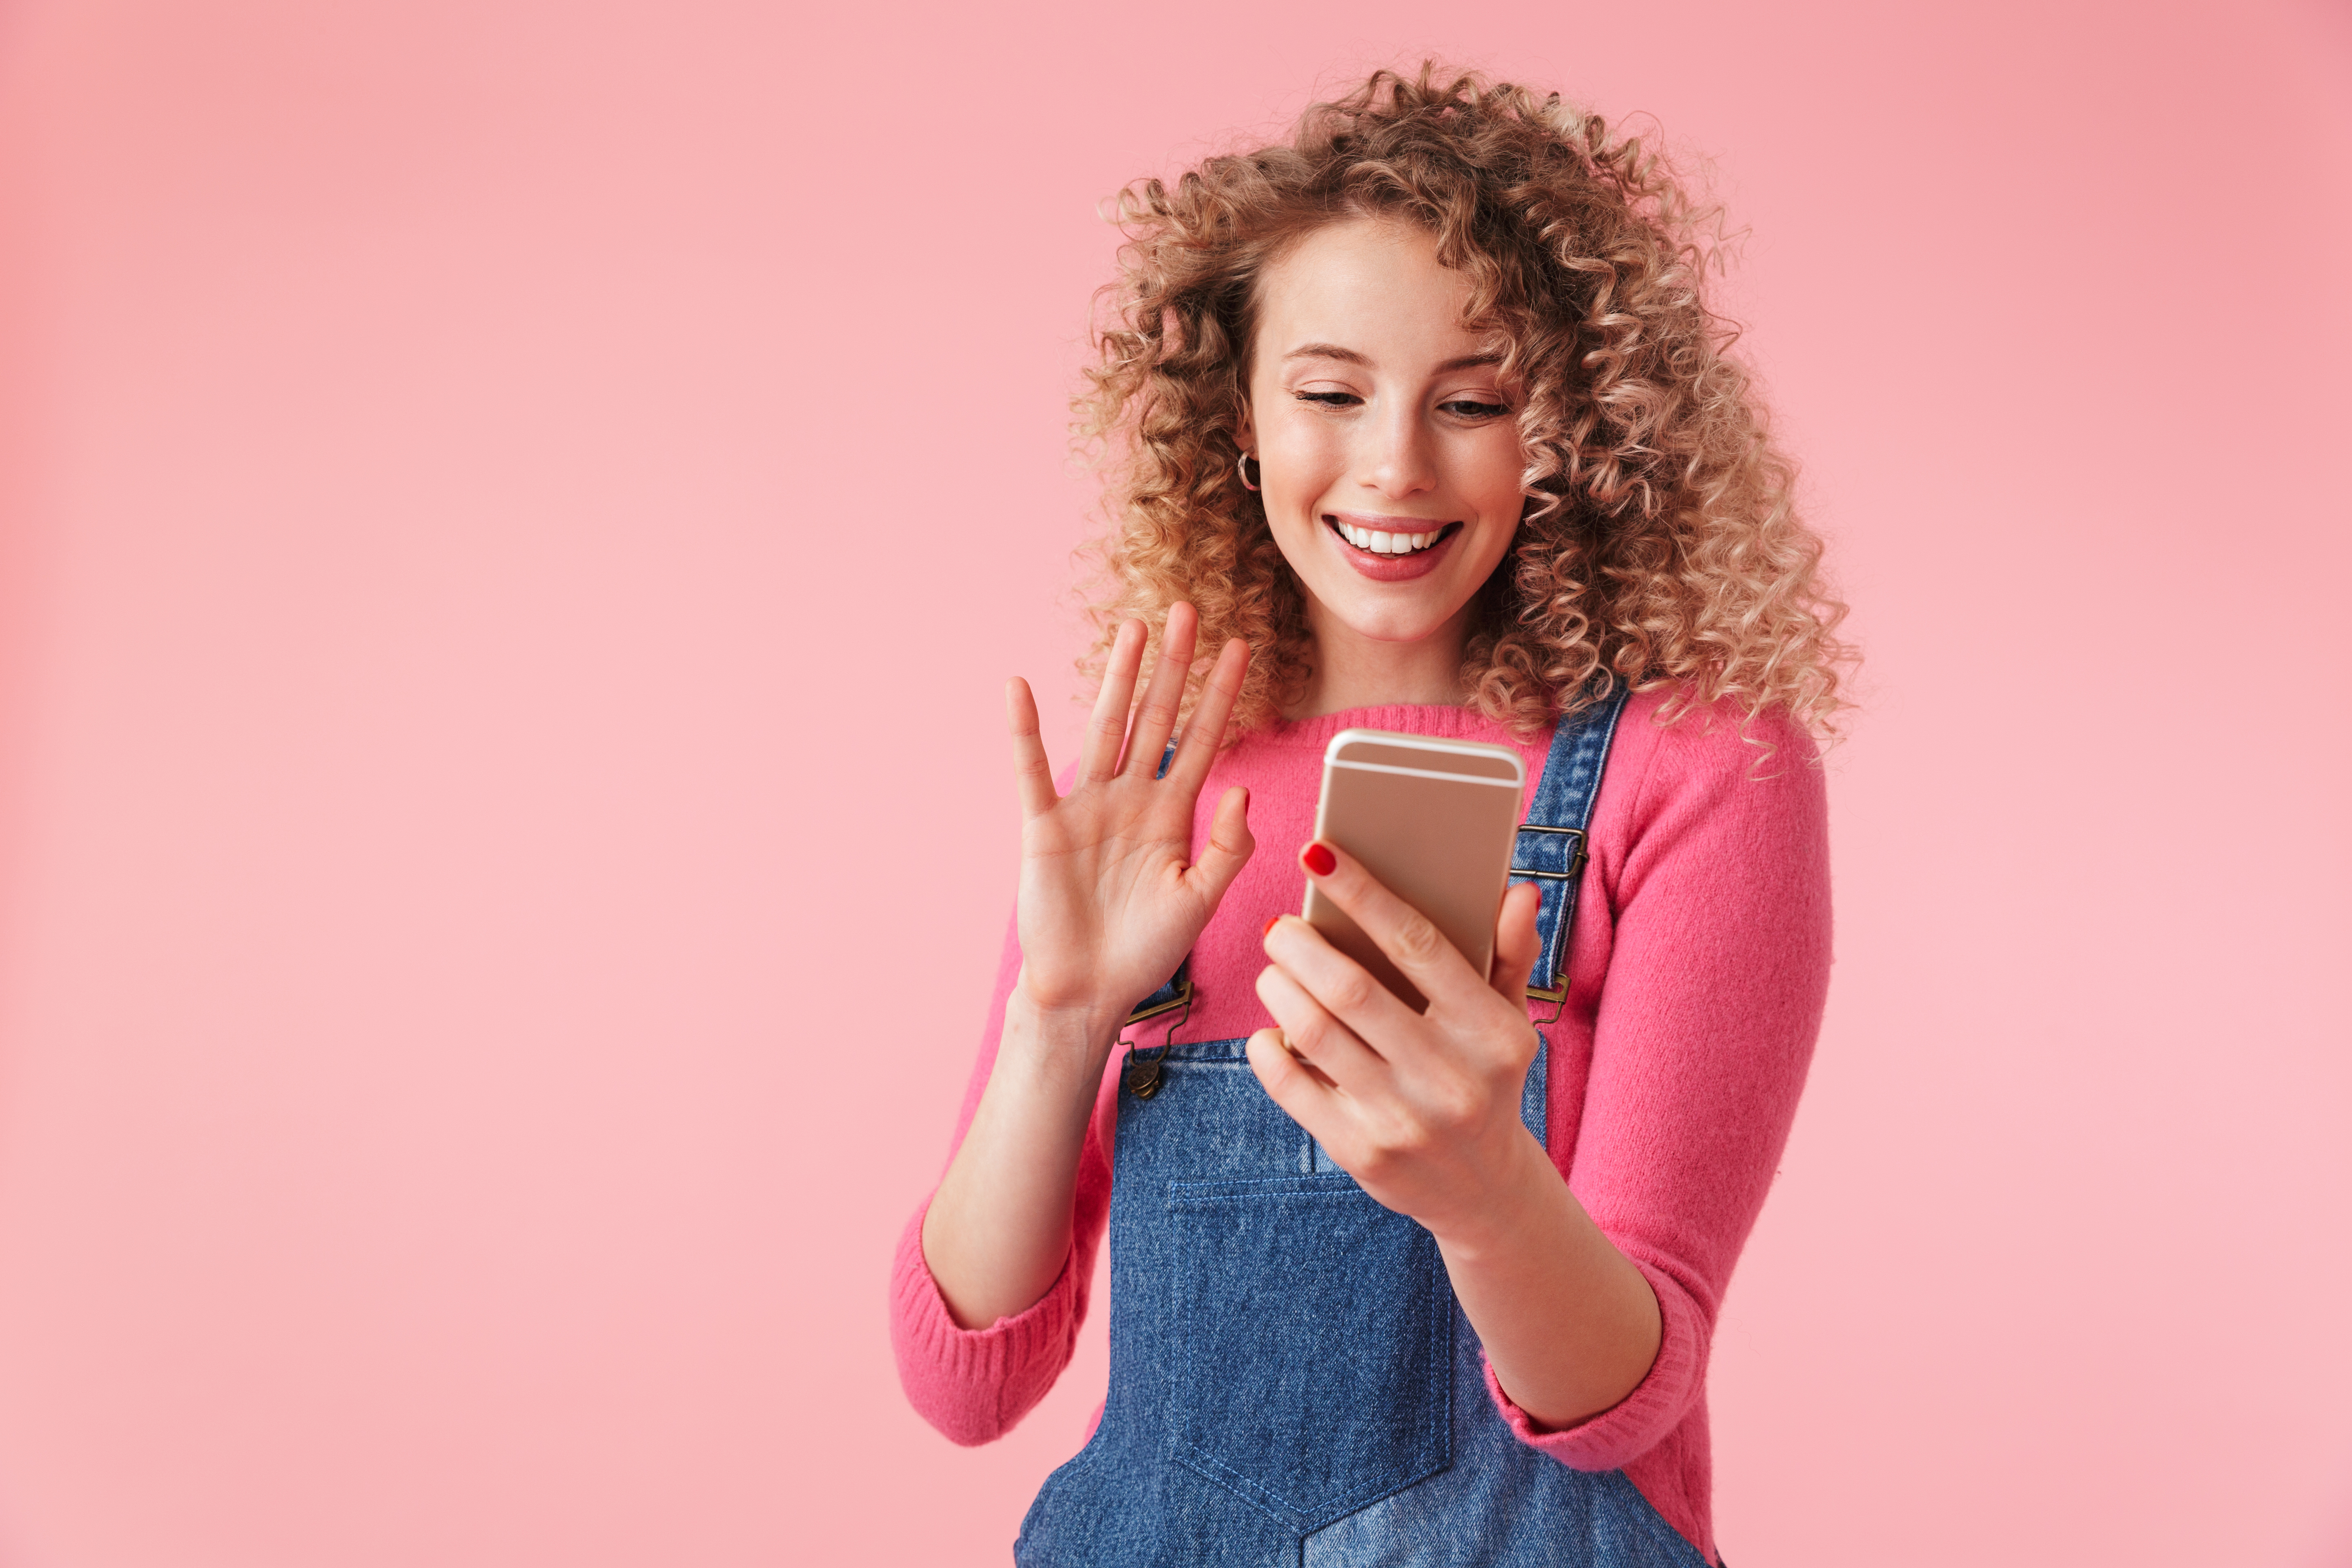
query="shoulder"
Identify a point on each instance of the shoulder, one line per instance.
(1710, 780)
(1714, 743)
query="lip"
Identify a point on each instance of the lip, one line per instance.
(1390, 568)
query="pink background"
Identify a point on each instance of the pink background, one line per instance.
(516, 515)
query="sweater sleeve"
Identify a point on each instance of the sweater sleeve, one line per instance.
(1712, 977)
(975, 1384)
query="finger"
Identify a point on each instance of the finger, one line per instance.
(1338, 983)
(1206, 732)
(1229, 847)
(1518, 943)
(1292, 1084)
(1031, 774)
(1411, 940)
(1147, 740)
(1107, 725)
(1314, 1036)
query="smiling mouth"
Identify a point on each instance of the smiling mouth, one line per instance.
(1379, 541)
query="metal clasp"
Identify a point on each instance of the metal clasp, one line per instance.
(1184, 998)
(1575, 861)
(1555, 994)
(1141, 1073)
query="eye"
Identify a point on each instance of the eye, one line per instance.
(1470, 408)
(1328, 399)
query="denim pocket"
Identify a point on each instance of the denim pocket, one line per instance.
(1313, 1344)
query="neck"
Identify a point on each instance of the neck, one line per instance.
(1352, 670)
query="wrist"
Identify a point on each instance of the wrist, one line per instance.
(1074, 1011)
(1512, 1206)
(1088, 1017)
(1058, 1041)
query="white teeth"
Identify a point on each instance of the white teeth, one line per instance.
(1380, 543)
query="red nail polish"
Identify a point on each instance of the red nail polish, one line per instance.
(1317, 860)
(1269, 926)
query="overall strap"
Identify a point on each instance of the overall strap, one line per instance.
(1551, 851)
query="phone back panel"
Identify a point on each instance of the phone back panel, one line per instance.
(1434, 821)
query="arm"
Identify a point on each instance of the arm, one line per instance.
(1110, 902)
(975, 1384)
(997, 1232)
(1704, 994)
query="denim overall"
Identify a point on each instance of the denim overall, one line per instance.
(1291, 1380)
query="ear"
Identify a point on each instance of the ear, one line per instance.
(1246, 431)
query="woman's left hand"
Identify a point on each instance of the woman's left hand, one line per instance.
(1423, 1108)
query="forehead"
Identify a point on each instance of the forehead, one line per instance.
(1373, 285)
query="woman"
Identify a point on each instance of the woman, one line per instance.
(1423, 424)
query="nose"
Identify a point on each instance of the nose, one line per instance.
(1400, 461)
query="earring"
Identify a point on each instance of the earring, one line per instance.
(1243, 463)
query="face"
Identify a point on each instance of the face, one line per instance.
(1390, 456)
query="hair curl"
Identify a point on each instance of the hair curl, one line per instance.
(1660, 547)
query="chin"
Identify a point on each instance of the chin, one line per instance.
(1393, 622)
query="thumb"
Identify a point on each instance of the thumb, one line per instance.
(1518, 944)
(1229, 847)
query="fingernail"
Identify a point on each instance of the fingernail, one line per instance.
(1319, 860)
(1270, 921)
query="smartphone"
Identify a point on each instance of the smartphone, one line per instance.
(1435, 820)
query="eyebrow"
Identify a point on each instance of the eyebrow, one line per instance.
(1350, 356)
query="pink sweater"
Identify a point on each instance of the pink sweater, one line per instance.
(1697, 975)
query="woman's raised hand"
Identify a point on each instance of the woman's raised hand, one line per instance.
(1111, 901)
(1111, 898)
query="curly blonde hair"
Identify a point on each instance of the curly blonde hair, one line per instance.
(1660, 545)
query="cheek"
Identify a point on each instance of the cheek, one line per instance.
(1496, 472)
(1297, 481)
(1295, 439)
